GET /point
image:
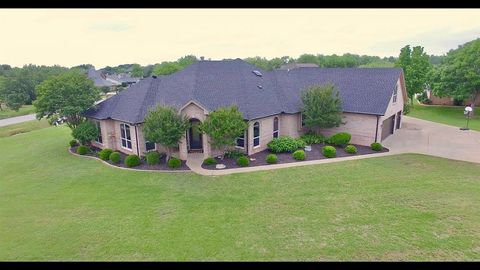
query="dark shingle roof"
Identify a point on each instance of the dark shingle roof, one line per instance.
(215, 84)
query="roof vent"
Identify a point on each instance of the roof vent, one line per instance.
(258, 73)
(154, 76)
(259, 86)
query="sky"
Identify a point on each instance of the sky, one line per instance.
(102, 37)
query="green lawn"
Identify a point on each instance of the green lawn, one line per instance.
(446, 115)
(24, 110)
(56, 206)
(24, 127)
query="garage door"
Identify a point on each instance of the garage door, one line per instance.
(387, 127)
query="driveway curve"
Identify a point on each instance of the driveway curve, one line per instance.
(16, 120)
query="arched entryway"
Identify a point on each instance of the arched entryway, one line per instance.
(194, 137)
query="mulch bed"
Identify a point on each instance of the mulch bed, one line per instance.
(315, 154)
(161, 166)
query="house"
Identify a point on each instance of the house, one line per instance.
(436, 100)
(112, 81)
(372, 103)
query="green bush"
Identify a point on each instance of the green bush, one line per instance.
(329, 151)
(210, 161)
(342, 138)
(132, 161)
(283, 144)
(300, 143)
(83, 149)
(115, 157)
(234, 154)
(105, 154)
(85, 132)
(174, 163)
(152, 158)
(351, 149)
(73, 143)
(376, 146)
(311, 138)
(299, 155)
(243, 161)
(271, 159)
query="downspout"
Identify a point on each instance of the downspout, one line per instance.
(376, 130)
(246, 138)
(136, 140)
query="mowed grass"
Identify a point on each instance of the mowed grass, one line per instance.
(56, 206)
(24, 127)
(446, 115)
(24, 110)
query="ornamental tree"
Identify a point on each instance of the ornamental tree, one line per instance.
(322, 107)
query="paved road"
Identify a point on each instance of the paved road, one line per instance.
(16, 120)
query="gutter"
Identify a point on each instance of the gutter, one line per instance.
(376, 130)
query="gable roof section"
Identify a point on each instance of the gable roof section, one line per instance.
(216, 84)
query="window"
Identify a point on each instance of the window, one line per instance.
(149, 145)
(275, 127)
(256, 134)
(241, 141)
(395, 94)
(99, 138)
(303, 119)
(125, 135)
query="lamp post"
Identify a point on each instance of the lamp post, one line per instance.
(467, 112)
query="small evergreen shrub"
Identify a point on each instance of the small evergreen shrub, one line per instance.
(376, 146)
(300, 143)
(83, 149)
(234, 154)
(342, 138)
(174, 163)
(299, 155)
(132, 161)
(243, 161)
(271, 159)
(73, 143)
(284, 144)
(115, 157)
(351, 149)
(152, 158)
(329, 151)
(312, 138)
(105, 154)
(210, 161)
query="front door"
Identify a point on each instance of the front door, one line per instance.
(194, 136)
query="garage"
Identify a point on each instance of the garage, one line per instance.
(387, 127)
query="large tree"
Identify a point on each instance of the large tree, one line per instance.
(459, 74)
(416, 65)
(85, 132)
(137, 70)
(66, 95)
(165, 126)
(223, 127)
(322, 107)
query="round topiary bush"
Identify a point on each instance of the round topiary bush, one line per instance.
(115, 157)
(83, 149)
(329, 151)
(152, 158)
(174, 163)
(105, 154)
(284, 144)
(271, 159)
(376, 146)
(351, 149)
(73, 143)
(243, 161)
(132, 161)
(210, 161)
(299, 155)
(342, 138)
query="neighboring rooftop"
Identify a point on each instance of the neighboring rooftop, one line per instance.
(298, 65)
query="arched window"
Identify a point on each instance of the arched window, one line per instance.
(256, 134)
(275, 127)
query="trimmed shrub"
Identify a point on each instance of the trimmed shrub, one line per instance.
(312, 138)
(243, 161)
(210, 161)
(300, 143)
(73, 143)
(271, 159)
(342, 138)
(376, 146)
(234, 154)
(132, 161)
(105, 154)
(351, 149)
(115, 157)
(329, 151)
(83, 149)
(152, 158)
(299, 155)
(174, 163)
(283, 144)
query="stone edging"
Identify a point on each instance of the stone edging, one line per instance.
(130, 169)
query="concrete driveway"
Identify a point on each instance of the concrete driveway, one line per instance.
(16, 120)
(430, 138)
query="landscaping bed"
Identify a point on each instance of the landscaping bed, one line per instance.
(314, 154)
(161, 166)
